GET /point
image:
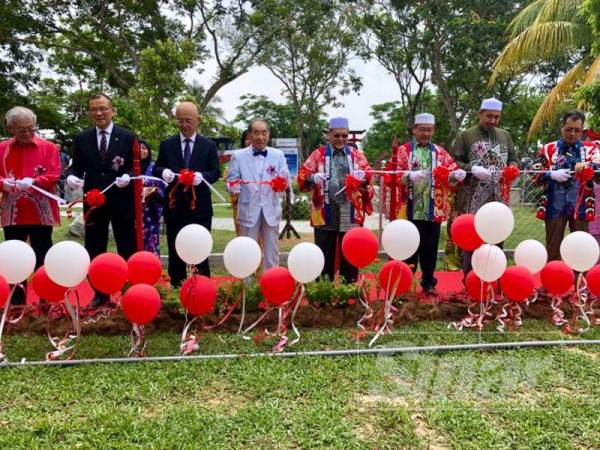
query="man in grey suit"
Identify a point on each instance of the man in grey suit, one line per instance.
(259, 206)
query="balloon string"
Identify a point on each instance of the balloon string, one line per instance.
(581, 302)
(189, 344)
(234, 305)
(138, 342)
(385, 326)
(558, 315)
(243, 318)
(71, 339)
(259, 320)
(293, 320)
(3, 358)
(364, 301)
(502, 318)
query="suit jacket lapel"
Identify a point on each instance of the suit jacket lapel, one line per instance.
(178, 152)
(196, 154)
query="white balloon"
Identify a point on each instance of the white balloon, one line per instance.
(193, 243)
(17, 261)
(67, 263)
(241, 256)
(305, 262)
(489, 262)
(400, 239)
(580, 251)
(531, 254)
(494, 222)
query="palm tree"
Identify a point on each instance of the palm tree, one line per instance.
(542, 31)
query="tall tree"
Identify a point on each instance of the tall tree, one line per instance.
(395, 37)
(543, 30)
(310, 56)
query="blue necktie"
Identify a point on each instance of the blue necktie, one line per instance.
(259, 152)
(103, 145)
(187, 153)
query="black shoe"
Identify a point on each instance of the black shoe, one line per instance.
(18, 297)
(99, 300)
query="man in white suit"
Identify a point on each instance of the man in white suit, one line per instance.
(259, 206)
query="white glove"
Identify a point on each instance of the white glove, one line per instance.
(24, 183)
(198, 178)
(74, 182)
(416, 176)
(560, 175)
(8, 184)
(168, 175)
(234, 188)
(481, 173)
(359, 174)
(319, 178)
(123, 181)
(459, 174)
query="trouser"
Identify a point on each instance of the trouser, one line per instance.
(555, 231)
(40, 239)
(426, 254)
(123, 224)
(330, 242)
(269, 235)
(177, 267)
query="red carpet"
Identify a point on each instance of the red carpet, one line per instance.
(448, 283)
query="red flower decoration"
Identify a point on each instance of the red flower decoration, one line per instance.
(584, 175)
(510, 173)
(352, 184)
(541, 213)
(278, 184)
(441, 175)
(94, 198)
(186, 177)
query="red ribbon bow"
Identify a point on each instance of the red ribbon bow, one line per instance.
(278, 184)
(185, 179)
(441, 176)
(584, 175)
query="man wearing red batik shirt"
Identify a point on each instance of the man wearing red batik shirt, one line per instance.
(26, 160)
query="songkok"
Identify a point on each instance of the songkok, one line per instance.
(338, 122)
(491, 104)
(425, 119)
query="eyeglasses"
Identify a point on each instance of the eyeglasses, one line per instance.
(22, 130)
(182, 121)
(100, 109)
(337, 136)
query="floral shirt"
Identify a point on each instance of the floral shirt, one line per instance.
(39, 160)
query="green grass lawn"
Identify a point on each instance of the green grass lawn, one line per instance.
(529, 399)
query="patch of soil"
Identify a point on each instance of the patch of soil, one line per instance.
(171, 317)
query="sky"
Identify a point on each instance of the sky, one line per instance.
(378, 87)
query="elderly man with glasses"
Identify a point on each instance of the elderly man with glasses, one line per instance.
(333, 211)
(28, 162)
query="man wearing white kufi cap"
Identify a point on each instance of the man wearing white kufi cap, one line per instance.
(425, 187)
(333, 211)
(483, 150)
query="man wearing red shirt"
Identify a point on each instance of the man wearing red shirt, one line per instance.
(26, 160)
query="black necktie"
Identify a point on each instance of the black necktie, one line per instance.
(187, 153)
(103, 146)
(259, 152)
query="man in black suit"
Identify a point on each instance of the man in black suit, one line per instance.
(103, 154)
(187, 150)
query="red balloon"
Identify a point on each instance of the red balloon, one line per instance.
(144, 267)
(141, 304)
(4, 291)
(108, 273)
(277, 285)
(198, 295)
(395, 273)
(592, 278)
(360, 246)
(47, 289)
(463, 233)
(473, 286)
(517, 283)
(557, 277)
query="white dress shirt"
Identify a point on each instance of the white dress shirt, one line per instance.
(192, 141)
(108, 131)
